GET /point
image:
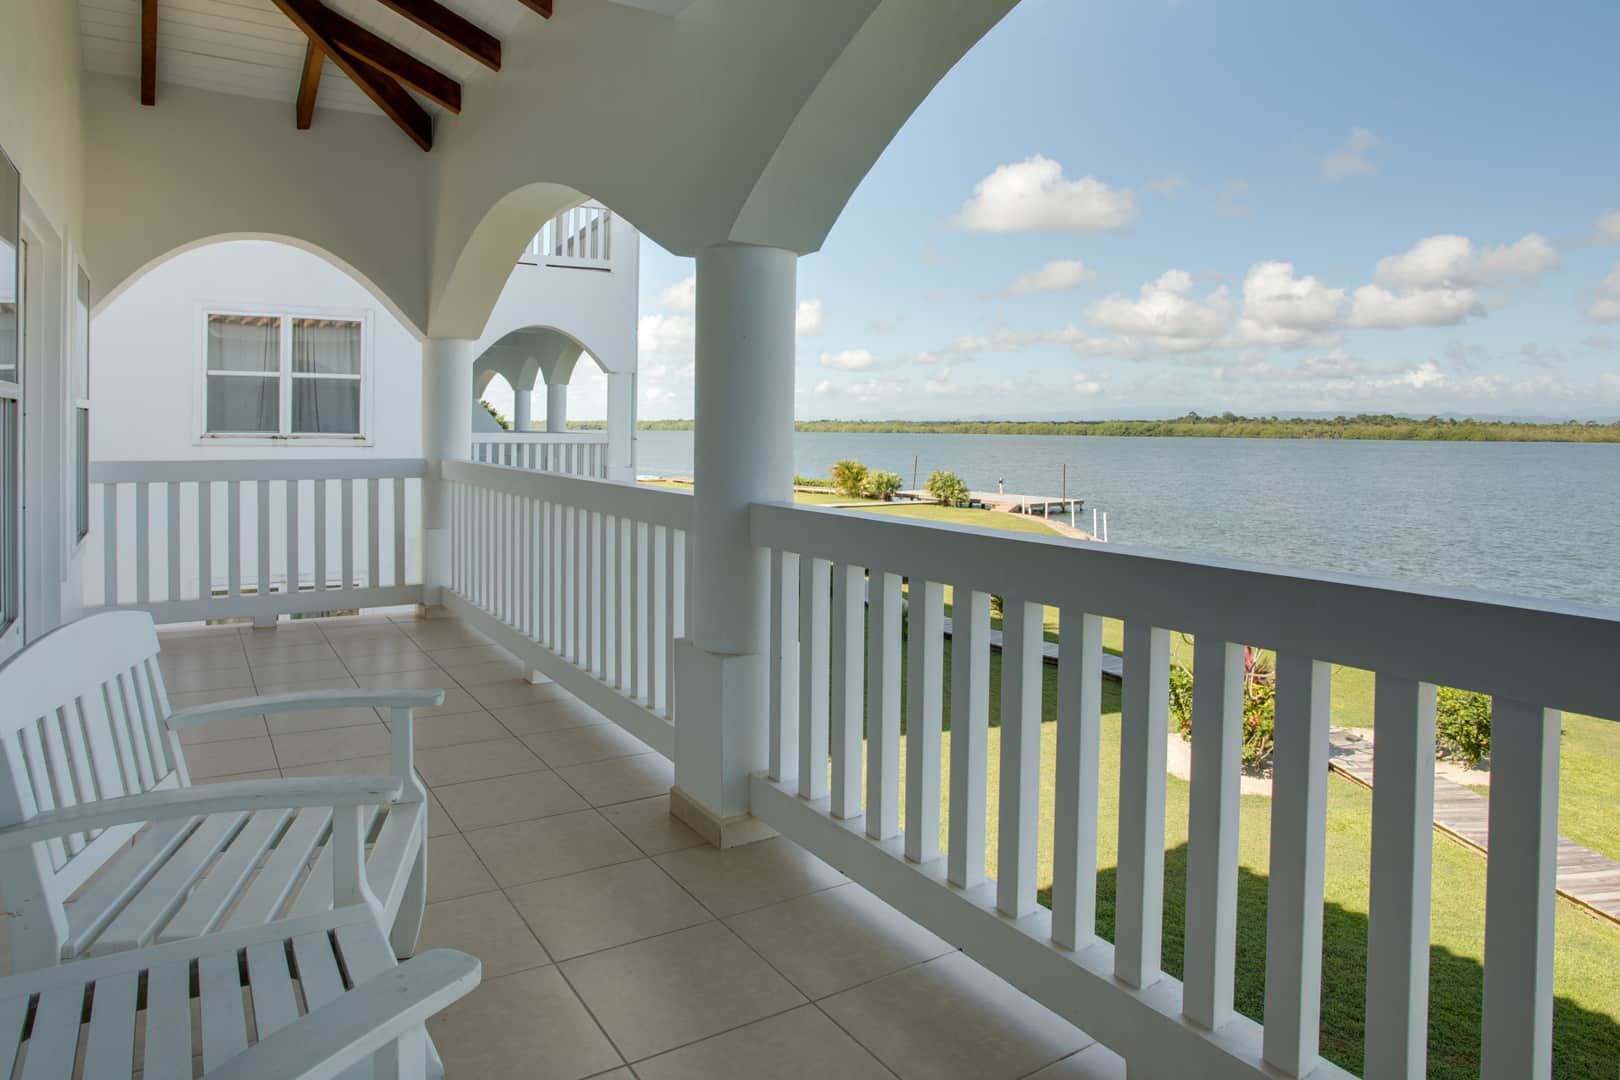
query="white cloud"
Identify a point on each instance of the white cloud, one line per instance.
(1378, 308)
(1333, 364)
(1034, 196)
(681, 296)
(1167, 185)
(1164, 315)
(1450, 261)
(1608, 228)
(665, 334)
(1088, 385)
(809, 319)
(849, 360)
(1006, 341)
(1059, 276)
(1606, 305)
(1350, 159)
(1282, 309)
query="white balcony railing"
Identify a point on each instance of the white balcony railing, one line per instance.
(579, 237)
(566, 453)
(585, 580)
(192, 540)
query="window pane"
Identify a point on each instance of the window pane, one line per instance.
(10, 534)
(326, 406)
(244, 343)
(81, 338)
(10, 189)
(239, 403)
(325, 347)
(81, 480)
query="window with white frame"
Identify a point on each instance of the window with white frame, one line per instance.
(81, 408)
(283, 375)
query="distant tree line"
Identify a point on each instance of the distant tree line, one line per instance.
(1229, 426)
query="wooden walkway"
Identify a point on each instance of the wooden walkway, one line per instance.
(1584, 877)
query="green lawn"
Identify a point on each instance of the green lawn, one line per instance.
(1587, 1011)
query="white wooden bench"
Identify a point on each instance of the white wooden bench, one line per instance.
(105, 845)
(323, 995)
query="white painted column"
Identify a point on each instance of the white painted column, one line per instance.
(446, 434)
(621, 426)
(743, 454)
(522, 405)
(557, 406)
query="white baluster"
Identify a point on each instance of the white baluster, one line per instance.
(924, 719)
(847, 713)
(1212, 832)
(1144, 725)
(784, 729)
(814, 583)
(1018, 838)
(171, 506)
(1520, 878)
(883, 706)
(320, 534)
(291, 489)
(1402, 864)
(143, 553)
(346, 504)
(110, 546)
(1074, 826)
(970, 725)
(233, 538)
(373, 533)
(1298, 864)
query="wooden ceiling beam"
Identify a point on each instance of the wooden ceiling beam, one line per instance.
(387, 94)
(309, 84)
(451, 29)
(390, 59)
(539, 7)
(149, 52)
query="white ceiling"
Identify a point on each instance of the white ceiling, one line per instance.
(248, 47)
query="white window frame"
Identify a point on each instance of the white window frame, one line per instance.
(285, 437)
(78, 399)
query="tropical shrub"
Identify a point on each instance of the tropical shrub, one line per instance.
(881, 484)
(947, 487)
(1259, 706)
(506, 425)
(1462, 725)
(849, 477)
(813, 481)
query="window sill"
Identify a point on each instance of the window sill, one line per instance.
(353, 442)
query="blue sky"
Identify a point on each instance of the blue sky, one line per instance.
(1137, 209)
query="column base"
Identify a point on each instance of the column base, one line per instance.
(717, 831)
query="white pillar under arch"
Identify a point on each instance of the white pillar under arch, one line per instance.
(522, 405)
(743, 454)
(621, 426)
(447, 377)
(557, 406)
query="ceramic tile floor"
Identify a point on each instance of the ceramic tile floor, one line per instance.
(614, 942)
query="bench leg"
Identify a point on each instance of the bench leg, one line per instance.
(406, 1058)
(408, 921)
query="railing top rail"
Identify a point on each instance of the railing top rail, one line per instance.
(1556, 654)
(652, 505)
(539, 436)
(133, 472)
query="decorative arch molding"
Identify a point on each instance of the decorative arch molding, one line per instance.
(388, 303)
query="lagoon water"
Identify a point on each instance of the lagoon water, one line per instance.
(1533, 519)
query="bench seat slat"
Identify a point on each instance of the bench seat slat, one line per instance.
(274, 1004)
(269, 890)
(168, 1018)
(163, 892)
(124, 876)
(110, 1048)
(224, 1026)
(213, 895)
(55, 1040)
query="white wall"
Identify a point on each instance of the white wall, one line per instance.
(146, 374)
(146, 380)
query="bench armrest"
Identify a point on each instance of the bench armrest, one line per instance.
(303, 701)
(391, 1007)
(243, 795)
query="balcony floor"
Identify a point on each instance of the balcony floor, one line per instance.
(614, 942)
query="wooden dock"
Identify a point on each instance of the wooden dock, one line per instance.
(1008, 502)
(1584, 877)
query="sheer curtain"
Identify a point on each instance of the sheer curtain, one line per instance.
(326, 376)
(244, 369)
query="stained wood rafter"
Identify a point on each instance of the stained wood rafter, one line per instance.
(309, 84)
(451, 29)
(149, 52)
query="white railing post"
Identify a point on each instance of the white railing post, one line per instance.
(744, 452)
(446, 435)
(1520, 878)
(1144, 724)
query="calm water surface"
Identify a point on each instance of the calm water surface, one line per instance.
(1534, 519)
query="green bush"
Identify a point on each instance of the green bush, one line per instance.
(947, 487)
(813, 481)
(1259, 707)
(506, 425)
(1462, 725)
(849, 477)
(881, 484)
